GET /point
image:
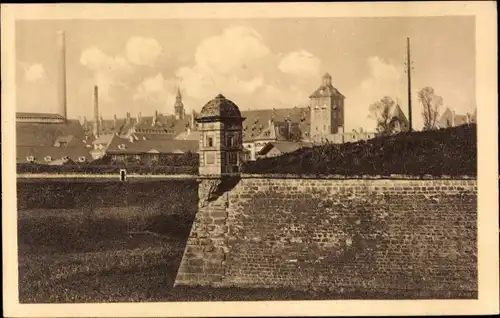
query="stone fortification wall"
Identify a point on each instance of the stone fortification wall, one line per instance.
(334, 233)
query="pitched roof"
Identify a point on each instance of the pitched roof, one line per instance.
(397, 112)
(447, 118)
(38, 115)
(40, 152)
(446, 114)
(138, 146)
(272, 132)
(284, 146)
(41, 134)
(326, 91)
(189, 135)
(107, 126)
(103, 139)
(258, 120)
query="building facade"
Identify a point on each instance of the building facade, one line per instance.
(221, 143)
(327, 110)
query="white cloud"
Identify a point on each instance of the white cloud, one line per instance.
(143, 51)
(226, 64)
(150, 86)
(157, 92)
(300, 63)
(34, 73)
(383, 79)
(235, 47)
(108, 71)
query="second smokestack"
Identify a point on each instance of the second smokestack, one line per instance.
(96, 111)
(61, 87)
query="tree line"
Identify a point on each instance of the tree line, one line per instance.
(382, 111)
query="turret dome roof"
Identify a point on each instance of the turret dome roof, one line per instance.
(221, 107)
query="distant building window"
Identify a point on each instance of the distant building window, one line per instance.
(121, 146)
(209, 158)
(210, 142)
(448, 122)
(232, 158)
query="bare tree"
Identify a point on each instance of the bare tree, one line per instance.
(431, 104)
(381, 111)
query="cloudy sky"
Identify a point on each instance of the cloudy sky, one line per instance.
(258, 63)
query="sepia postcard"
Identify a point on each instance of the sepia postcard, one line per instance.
(250, 159)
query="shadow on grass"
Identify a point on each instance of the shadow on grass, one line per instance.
(63, 235)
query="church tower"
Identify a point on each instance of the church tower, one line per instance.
(327, 110)
(179, 106)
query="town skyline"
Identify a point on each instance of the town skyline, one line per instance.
(259, 64)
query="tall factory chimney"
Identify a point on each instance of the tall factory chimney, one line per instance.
(96, 111)
(61, 78)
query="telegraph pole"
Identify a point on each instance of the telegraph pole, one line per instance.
(408, 72)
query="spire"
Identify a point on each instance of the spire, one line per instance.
(178, 96)
(179, 106)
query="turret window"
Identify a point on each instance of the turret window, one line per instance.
(210, 141)
(232, 158)
(230, 141)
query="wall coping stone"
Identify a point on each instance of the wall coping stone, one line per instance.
(355, 177)
(242, 176)
(108, 176)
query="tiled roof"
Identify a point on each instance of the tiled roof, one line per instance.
(447, 118)
(325, 91)
(107, 126)
(397, 112)
(40, 134)
(40, 152)
(284, 146)
(256, 121)
(38, 115)
(103, 139)
(138, 146)
(189, 135)
(271, 132)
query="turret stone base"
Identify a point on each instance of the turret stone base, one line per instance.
(205, 253)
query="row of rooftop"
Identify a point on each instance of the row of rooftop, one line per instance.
(47, 138)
